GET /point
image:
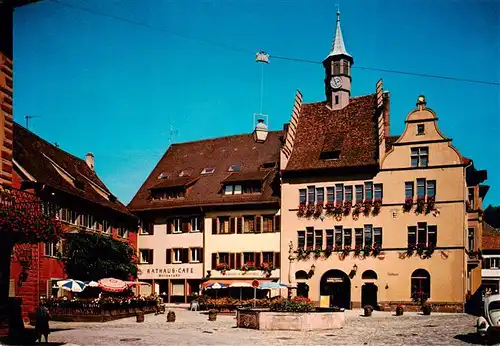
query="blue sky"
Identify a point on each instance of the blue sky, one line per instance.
(102, 85)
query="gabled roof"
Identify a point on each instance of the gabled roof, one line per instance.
(52, 166)
(219, 153)
(351, 130)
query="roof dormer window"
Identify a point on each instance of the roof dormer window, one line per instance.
(207, 171)
(234, 168)
(185, 174)
(163, 176)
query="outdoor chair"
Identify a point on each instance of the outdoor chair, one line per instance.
(194, 306)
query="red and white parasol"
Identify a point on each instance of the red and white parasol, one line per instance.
(112, 285)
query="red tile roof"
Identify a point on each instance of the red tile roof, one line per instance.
(491, 237)
(238, 177)
(219, 153)
(34, 154)
(176, 182)
(352, 130)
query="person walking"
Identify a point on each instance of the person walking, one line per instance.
(42, 322)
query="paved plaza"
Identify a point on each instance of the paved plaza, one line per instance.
(193, 328)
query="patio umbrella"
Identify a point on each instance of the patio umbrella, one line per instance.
(71, 285)
(112, 285)
(215, 286)
(271, 285)
(91, 283)
(241, 285)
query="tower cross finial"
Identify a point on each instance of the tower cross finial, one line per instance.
(338, 12)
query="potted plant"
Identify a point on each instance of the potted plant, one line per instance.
(140, 316)
(426, 309)
(357, 250)
(367, 207)
(356, 211)
(347, 208)
(367, 250)
(421, 249)
(338, 210)
(410, 250)
(376, 250)
(431, 203)
(368, 309)
(399, 310)
(408, 204)
(310, 209)
(330, 207)
(317, 253)
(420, 206)
(212, 315)
(171, 316)
(420, 298)
(318, 211)
(376, 207)
(222, 267)
(328, 251)
(346, 250)
(302, 210)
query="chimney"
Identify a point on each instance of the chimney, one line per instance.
(89, 159)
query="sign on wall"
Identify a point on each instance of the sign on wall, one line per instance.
(173, 271)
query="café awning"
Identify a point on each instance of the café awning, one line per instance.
(235, 283)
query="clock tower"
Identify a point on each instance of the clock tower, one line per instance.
(338, 72)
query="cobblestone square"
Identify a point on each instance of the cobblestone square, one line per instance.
(193, 328)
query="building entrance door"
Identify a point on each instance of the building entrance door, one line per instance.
(369, 295)
(337, 285)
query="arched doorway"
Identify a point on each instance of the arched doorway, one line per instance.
(369, 289)
(302, 287)
(337, 285)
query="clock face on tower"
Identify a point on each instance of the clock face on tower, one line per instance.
(336, 82)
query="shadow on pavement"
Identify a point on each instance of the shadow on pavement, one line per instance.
(472, 338)
(28, 337)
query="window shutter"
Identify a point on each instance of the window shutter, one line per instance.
(169, 226)
(258, 224)
(214, 261)
(239, 225)
(201, 223)
(185, 225)
(201, 255)
(150, 227)
(232, 260)
(185, 255)
(169, 256)
(232, 225)
(277, 259)
(238, 260)
(214, 225)
(257, 259)
(277, 223)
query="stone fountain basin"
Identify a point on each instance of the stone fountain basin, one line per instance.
(264, 319)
